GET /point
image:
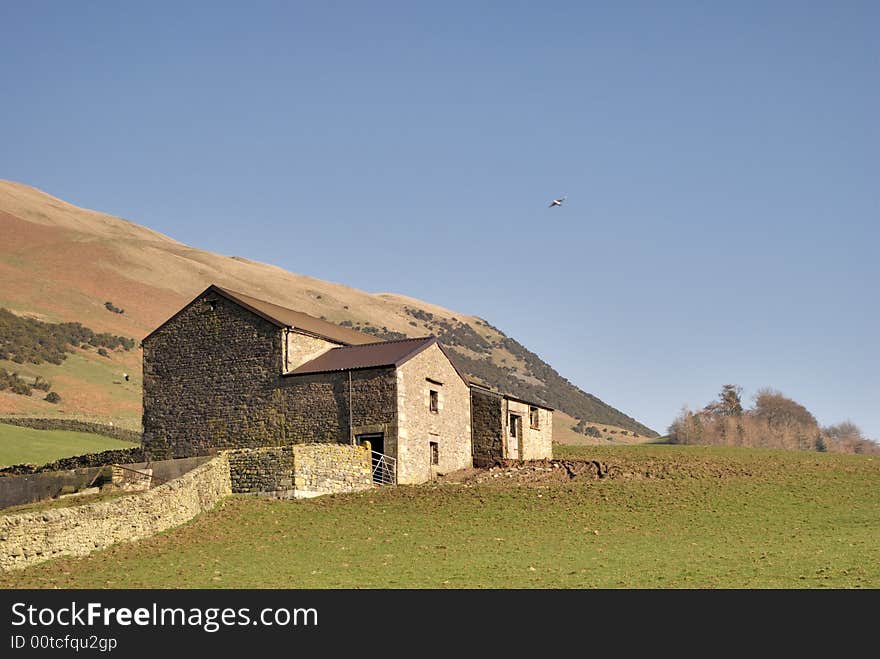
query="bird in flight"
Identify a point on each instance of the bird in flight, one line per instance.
(557, 202)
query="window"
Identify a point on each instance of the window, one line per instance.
(435, 453)
(434, 402)
(534, 419)
(212, 304)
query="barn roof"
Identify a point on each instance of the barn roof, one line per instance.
(284, 317)
(372, 355)
(473, 384)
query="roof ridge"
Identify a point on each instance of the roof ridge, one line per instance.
(377, 343)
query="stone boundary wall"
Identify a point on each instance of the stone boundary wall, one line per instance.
(261, 470)
(73, 424)
(16, 490)
(29, 538)
(113, 456)
(300, 470)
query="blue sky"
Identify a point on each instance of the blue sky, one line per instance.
(722, 167)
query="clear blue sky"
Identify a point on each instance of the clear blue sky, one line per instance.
(722, 167)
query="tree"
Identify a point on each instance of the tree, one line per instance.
(779, 412)
(729, 402)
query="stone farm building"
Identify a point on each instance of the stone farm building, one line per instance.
(232, 371)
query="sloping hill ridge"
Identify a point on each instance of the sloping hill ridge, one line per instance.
(60, 263)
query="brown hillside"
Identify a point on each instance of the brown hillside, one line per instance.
(59, 262)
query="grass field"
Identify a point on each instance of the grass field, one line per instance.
(672, 517)
(27, 445)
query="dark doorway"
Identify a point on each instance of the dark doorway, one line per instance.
(376, 441)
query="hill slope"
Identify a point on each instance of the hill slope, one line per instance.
(60, 263)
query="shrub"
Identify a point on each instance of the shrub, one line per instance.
(102, 352)
(52, 397)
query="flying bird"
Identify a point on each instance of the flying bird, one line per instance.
(557, 202)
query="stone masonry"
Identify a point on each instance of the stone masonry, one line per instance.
(301, 348)
(213, 379)
(536, 442)
(300, 471)
(488, 427)
(29, 538)
(449, 427)
(210, 380)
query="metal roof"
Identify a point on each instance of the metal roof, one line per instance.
(477, 385)
(372, 355)
(298, 320)
(284, 317)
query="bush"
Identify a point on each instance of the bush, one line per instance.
(33, 341)
(52, 397)
(102, 352)
(110, 307)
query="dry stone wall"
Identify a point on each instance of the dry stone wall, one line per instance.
(300, 470)
(29, 538)
(116, 432)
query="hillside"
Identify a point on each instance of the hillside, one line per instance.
(61, 263)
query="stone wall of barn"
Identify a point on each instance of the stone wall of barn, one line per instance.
(536, 442)
(211, 379)
(302, 348)
(449, 427)
(488, 427)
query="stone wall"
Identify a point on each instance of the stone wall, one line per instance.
(535, 443)
(29, 538)
(213, 380)
(449, 427)
(302, 348)
(316, 407)
(488, 427)
(115, 432)
(262, 470)
(113, 456)
(210, 381)
(331, 468)
(16, 490)
(300, 470)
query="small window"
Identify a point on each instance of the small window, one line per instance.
(434, 402)
(534, 419)
(212, 304)
(435, 453)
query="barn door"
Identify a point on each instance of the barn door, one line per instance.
(514, 436)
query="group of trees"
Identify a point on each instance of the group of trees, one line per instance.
(774, 421)
(33, 341)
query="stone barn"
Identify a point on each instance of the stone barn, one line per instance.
(232, 371)
(509, 428)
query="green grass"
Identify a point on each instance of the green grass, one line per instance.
(30, 446)
(682, 517)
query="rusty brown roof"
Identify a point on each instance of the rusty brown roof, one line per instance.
(476, 384)
(372, 355)
(284, 317)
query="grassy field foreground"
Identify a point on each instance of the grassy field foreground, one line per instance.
(29, 446)
(671, 517)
